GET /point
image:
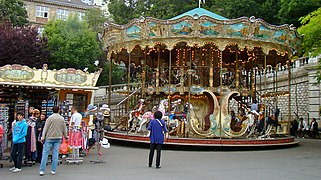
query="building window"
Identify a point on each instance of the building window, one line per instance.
(62, 14)
(81, 16)
(41, 11)
(89, 2)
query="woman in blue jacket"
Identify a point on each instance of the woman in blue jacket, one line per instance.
(157, 128)
(18, 139)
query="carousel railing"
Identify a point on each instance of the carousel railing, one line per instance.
(123, 108)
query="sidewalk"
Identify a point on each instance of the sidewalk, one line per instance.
(301, 162)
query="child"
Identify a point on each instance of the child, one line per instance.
(19, 134)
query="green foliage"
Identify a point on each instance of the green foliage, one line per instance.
(95, 19)
(272, 11)
(14, 11)
(72, 44)
(311, 28)
(292, 10)
(120, 12)
(118, 75)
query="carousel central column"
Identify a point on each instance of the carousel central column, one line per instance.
(237, 81)
(211, 80)
(221, 94)
(143, 74)
(157, 71)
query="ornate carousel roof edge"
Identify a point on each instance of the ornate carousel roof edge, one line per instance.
(252, 19)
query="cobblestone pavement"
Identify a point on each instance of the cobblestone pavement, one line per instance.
(300, 162)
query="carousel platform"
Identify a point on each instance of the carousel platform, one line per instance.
(176, 143)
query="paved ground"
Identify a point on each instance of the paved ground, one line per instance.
(301, 162)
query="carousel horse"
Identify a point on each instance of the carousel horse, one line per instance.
(271, 122)
(163, 105)
(135, 114)
(175, 115)
(145, 119)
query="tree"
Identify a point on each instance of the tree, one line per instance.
(311, 28)
(72, 44)
(123, 11)
(14, 11)
(118, 75)
(291, 10)
(95, 19)
(21, 45)
(120, 12)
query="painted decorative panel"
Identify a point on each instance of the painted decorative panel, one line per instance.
(210, 29)
(134, 32)
(16, 73)
(70, 77)
(261, 32)
(182, 28)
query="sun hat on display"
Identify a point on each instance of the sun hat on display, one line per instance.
(104, 107)
(91, 107)
(104, 143)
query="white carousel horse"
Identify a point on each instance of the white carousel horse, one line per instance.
(163, 105)
(135, 113)
(144, 119)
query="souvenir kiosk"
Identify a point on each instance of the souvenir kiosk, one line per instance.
(22, 87)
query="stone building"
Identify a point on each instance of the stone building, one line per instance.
(305, 93)
(41, 12)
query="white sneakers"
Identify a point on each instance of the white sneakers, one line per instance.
(16, 170)
(41, 173)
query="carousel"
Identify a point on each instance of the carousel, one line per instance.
(201, 70)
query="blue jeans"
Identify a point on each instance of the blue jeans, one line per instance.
(54, 144)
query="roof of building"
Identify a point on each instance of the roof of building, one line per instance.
(200, 12)
(68, 3)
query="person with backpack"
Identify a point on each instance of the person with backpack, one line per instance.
(157, 128)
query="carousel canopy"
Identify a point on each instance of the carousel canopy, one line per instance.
(198, 12)
(199, 27)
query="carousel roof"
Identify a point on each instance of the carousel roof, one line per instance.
(198, 12)
(198, 27)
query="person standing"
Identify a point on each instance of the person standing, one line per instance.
(302, 128)
(75, 129)
(19, 134)
(55, 128)
(157, 128)
(313, 131)
(76, 118)
(254, 106)
(39, 127)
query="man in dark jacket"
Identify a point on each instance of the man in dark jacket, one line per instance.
(157, 128)
(313, 131)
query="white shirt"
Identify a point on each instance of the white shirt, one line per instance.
(304, 124)
(76, 118)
